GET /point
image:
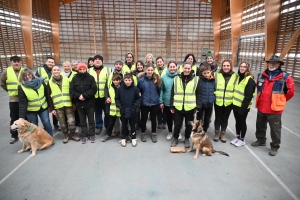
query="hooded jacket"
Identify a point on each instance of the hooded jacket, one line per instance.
(166, 87)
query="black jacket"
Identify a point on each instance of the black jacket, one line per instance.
(23, 101)
(128, 100)
(198, 92)
(83, 84)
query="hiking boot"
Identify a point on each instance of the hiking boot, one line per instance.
(92, 138)
(105, 138)
(66, 138)
(164, 126)
(222, 137)
(174, 142)
(235, 140)
(57, 127)
(273, 152)
(217, 135)
(187, 143)
(239, 143)
(258, 143)
(98, 131)
(123, 143)
(159, 126)
(169, 136)
(74, 137)
(143, 137)
(115, 133)
(13, 140)
(134, 142)
(84, 140)
(154, 138)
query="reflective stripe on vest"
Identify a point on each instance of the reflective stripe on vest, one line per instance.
(164, 71)
(239, 93)
(61, 98)
(109, 80)
(185, 99)
(42, 72)
(71, 75)
(113, 110)
(101, 80)
(12, 81)
(225, 97)
(125, 68)
(35, 101)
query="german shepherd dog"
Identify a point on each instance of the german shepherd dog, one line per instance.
(202, 141)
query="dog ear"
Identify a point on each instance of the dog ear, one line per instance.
(191, 123)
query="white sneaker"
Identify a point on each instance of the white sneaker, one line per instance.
(235, 140)
(134, 142)
(239, 143)
(78, 129)
(123, 142)
(170, 136)
(180, 137)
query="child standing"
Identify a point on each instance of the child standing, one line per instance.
(128, 101)
(207, 81)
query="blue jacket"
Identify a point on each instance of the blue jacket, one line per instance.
(166, 87)
(128, 100)
(149, 91)
(208, 89)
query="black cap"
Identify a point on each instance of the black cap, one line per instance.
(98, 56)
(15, 58)
(275, 58)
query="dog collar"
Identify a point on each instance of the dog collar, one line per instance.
(30, 129)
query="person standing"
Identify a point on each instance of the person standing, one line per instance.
(274, 88)
(149, 58)
(226, 80)
(100, 74)
(9, 83)
(129, 64)
(209, 59)
(165, 95)
(242, 101)
(185, 101)
(60, 104)
(90, 62)
(191, 59)
(45, 72)
(149, 85)
(83, 89)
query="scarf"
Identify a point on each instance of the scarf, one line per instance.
(34, 83)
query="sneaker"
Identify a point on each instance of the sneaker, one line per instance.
(123, 143)
(180, 137)
(13, 140)
(128, 139)
(98, 131)
(273, 152)
(159, 126)
(187, 143)
(143, 137)
(92, 138)
(174, 143)
(105, 138)
(169, 136)
(154, 138)
(57, 127)
(235, 140)
(164, 126)
(239, 143)
(258, 143)
(84, 140)
(134, 142)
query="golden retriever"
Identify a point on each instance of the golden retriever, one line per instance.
(202, 141)
(33, 137)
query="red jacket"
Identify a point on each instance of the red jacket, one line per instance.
(264, 99)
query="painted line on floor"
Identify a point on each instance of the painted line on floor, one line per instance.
(15, 169)
(284, 127)
(268, 169)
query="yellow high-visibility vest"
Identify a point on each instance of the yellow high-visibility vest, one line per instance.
(12, 81)
(113, 110)
(36, 100)
(101, 80)
(225, 97)
(61, 98)
(239, 93)
(164, 71)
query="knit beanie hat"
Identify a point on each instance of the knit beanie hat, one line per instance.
(209, 54)
(90, 58)
(98, 56)
(81, 66)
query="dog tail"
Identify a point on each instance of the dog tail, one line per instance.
(221, 153)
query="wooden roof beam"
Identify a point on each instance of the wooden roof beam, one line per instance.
(54, 20)
(216, 9)
(290, 44)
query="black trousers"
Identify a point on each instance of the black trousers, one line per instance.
(222, 114)
(77, 119)
(125, 131)
(144, 116)
(178, 119)
(161, 117)
(14, 115)
(112, 121)
(240, 124)
(89, 113)
(54, 120)
(170, 118)
(206, 112)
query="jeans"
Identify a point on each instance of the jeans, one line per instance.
(44, 116)
(14, 115)
(99, 107)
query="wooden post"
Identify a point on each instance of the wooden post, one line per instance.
(54, 20)
(25, 8)
(135, 32)
(216, 9)
(176, 55)
(94, 31)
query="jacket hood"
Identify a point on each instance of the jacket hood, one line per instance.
(171, 75)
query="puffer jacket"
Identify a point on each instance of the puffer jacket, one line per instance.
(166, 87)
(208, 91)
(149, 91)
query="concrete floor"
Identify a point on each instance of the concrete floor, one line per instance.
(150, 171)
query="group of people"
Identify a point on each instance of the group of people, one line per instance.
(133, 92)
